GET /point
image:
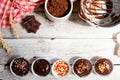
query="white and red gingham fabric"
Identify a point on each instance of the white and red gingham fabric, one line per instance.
(20, 8)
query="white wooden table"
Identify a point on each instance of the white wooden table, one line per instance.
(62, 40)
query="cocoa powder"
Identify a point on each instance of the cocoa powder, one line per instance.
(58, 8)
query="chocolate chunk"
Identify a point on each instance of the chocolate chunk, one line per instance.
(30, 24)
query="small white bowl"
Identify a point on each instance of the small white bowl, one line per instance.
(101, 74)
(74, 71)
(54, 73)
(11, 70)
(32, 67)
(58, 19)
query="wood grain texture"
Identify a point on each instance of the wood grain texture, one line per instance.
(61, 48)
(72, 28)
(66, 40)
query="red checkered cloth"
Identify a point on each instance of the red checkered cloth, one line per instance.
(20, 8)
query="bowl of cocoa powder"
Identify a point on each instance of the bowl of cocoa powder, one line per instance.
(58, 10)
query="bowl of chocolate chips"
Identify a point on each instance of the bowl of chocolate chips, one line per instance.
(40, 67)
(82, 67)
(103, 66)
(19, 67)
(103, 13)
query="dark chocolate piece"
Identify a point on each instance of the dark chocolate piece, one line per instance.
(30, 24)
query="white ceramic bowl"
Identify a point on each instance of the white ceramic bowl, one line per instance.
(101, 74)
(11, 67)
(58, 19)
(54, 73)
(74, 71)
(32, 69)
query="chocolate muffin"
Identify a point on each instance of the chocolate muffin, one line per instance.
(103, 66)
(41, 67)
(82, 67)
(20, 66)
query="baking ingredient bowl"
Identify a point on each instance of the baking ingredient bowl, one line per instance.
(60, 69)
(40, 67)
(19, 67)
(103, 66)
(81, 67)
(58, 10)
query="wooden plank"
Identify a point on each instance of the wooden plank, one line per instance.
(6, 75)
(61, 48)
(72, 28)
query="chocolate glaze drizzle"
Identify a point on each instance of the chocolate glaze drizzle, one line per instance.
(92, 11)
